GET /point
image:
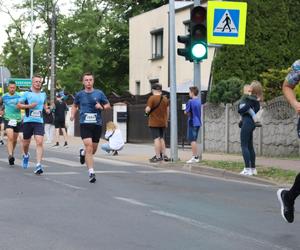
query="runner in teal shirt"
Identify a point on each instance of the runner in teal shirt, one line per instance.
(12, 119)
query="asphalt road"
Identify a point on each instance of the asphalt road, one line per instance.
(135, 207)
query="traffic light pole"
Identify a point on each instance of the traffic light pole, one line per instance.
(173, 92)
(197, 83)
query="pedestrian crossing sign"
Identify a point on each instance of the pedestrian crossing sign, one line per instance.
(226, 22)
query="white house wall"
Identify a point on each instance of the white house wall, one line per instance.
(142, 68)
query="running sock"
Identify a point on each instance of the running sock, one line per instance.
(91, 171)
(295, 189)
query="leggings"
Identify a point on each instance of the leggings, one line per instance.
(295, 189)
(247, 142)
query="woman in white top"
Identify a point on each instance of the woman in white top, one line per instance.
(114, 137)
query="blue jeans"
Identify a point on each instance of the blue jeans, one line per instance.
(106, 147)
(193, 133)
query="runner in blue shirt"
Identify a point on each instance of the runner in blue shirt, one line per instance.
(91, 102)
(33, 102)
(193, 110)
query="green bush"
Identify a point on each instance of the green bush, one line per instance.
(226, 91)
(271, 81)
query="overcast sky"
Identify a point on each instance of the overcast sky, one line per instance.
(64, 5)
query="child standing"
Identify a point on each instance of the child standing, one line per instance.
(114, 137)
(193, 110)
(249, 96)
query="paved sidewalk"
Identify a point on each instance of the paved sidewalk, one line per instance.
(140, 153)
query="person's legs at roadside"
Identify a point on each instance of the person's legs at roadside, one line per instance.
(252, 155)
(192, 136)
(105, 147)
(47, 132)
(163, 154)
(60, 125)
(65, 135)
(245, 139)
(156, 133)
(287, 199)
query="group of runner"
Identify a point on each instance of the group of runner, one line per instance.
(90, 101)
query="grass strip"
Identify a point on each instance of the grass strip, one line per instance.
(280, 176)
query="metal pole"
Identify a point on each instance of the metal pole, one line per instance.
(31, 41)
(53, 31)
(197, 83)
(173, 91)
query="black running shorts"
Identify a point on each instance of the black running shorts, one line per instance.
(32, 128)
(91, 131)
(15, 127)
(59, 124)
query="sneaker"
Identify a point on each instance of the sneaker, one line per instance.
(11, 160)
(56, 145)
(2, 142)
(82, 156)
(155, 159)
(25, 161)
(166, 158)
(65, 145)
(194, 159)
(254, 171)
(287, 210)
(115, 152)
(38, 170)
(246, 171)
(92, 178)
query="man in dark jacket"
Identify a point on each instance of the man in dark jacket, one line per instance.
(60, 109)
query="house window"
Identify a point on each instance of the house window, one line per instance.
(157, 43)
(186, 27)
(137, 87)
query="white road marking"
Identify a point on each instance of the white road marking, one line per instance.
(56, 173)
(159, 171)
(224, 232)
(18, 163)
(116, 162)
(112, 172)
(65, 184)
(60, 162)
(133, 202)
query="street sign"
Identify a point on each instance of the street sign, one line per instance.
(226, 22)
(22, 82)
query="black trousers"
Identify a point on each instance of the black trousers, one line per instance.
(295, 189)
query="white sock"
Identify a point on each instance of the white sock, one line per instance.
(38, 164)
(91, 171)
(82, 152)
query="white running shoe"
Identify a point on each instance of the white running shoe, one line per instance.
(254, 171)
(246, 171)
(193, 160)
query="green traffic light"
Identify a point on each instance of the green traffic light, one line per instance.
(199, 51)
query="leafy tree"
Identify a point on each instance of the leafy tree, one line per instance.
(272, 81)
(226, 91)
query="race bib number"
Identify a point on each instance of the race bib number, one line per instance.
(12, 123)
(36, 114)
(90, 118)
